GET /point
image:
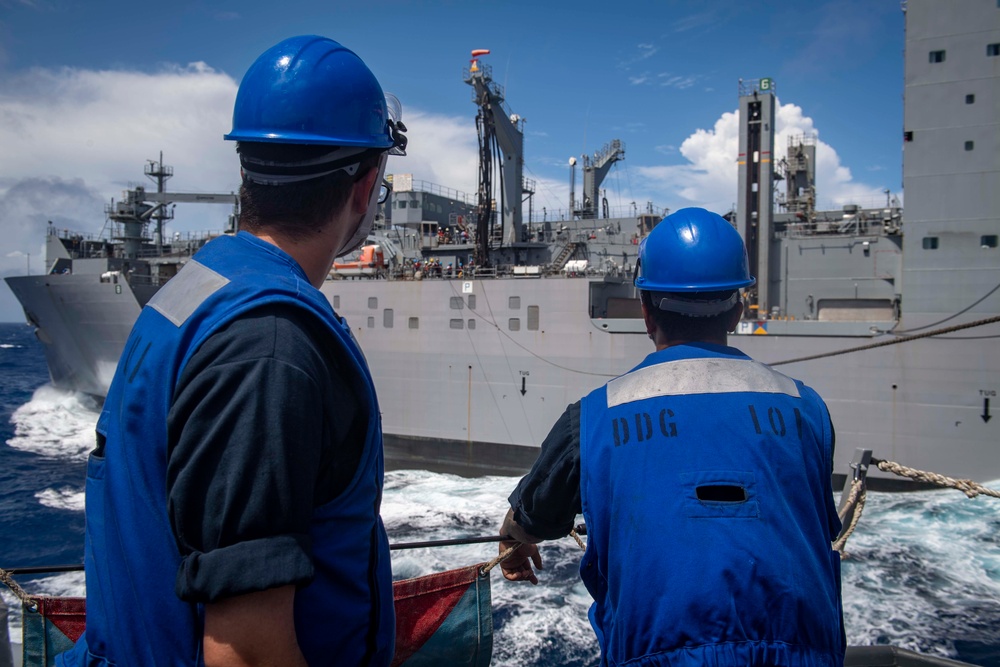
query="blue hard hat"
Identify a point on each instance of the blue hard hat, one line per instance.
(693, 250)
(311, 90)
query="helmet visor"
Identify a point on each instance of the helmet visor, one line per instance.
(396, 127)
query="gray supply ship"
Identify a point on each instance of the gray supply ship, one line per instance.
(480, 324)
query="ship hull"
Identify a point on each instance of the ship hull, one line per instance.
(83, 324)
(473, 385)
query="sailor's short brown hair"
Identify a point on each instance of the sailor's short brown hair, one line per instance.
(301, 209)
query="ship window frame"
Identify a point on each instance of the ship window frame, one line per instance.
(387, 318)
(472, 302)
(930, 243)
(993, 50)
(970, 98)
(456, 323)
(471, 324)
(936, 56)
(514, 324)
(970, 145)
(371, 321)
(336, 301)
(513, 303)
(988, 241)
(413, 323)
(373, 303)
(456, 303)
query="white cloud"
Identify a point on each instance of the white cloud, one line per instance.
(441, 149)
(103, 125)
(709, 177)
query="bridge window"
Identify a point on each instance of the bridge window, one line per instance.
(937, 56)
(514, 324)
(514, 303)
(988, 241)
(970, 99)
(387, 318)
(414, 323)
(930, 242)
(993, 50)
(969, 145)
(532, 318)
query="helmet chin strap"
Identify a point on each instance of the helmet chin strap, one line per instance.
(365, 225)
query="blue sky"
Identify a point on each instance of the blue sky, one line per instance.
(90, 90)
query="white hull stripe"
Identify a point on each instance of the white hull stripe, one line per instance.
(186, 291)
(699, 376)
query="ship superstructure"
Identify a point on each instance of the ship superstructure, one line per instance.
(483, 323)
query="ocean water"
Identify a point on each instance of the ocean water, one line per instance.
(923, 571)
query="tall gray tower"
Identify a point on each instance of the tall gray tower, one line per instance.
(755, 187)
(951, 156)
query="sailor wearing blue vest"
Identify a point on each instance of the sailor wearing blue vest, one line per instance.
(704, 478)
(233, 497)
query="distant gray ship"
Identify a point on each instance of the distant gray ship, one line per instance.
(480, 327)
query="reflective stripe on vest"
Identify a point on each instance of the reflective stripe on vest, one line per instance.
(698, 376)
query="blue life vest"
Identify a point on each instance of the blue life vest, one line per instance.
(134, 617)
(706, 488)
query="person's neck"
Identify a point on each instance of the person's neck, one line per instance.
(662, 342)
(314, 254)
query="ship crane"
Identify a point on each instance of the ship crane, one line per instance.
(595, 169)
(501, 141)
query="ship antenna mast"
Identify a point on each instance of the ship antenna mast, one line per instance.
(159, 174)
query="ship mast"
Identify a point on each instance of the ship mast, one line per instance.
(754, 219)
(137, 207)
(159, 174)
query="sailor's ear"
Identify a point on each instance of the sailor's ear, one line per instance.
(361, 193)
(735, 315)
(647, 317)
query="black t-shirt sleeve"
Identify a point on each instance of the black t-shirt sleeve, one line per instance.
(262, 430)
(547, 499)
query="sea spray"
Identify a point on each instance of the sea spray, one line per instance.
(55, 424)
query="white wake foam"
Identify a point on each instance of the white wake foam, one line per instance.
(55, 424)
(532, 624)
(924, 572)
(66, 498)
